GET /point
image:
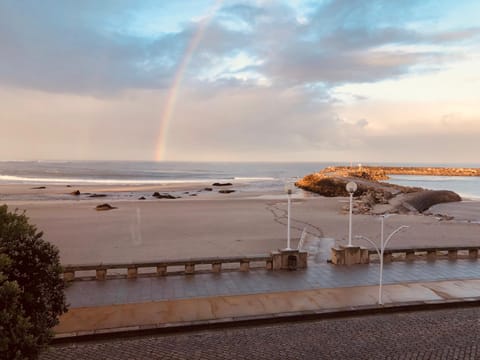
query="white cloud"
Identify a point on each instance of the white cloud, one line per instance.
(268, 80)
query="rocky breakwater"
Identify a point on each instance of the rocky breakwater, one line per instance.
(373, 196)
(382, 172)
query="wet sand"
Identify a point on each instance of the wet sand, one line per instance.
(213, 224)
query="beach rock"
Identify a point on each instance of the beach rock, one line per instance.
(76, 192)
(226, 191)
(69, 185)
(97, 195)
(193, 194)
(141, 198)
(423, 200)
(328, 186)
(104, 207)
(222, 184)
(163, 196)
(208, 189)
(39, 188)
(372, 196)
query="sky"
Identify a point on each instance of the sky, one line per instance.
(211, 80)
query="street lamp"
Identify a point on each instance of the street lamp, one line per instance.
(351, 188)
(289, 186)
(381, 250)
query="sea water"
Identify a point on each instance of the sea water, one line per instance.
(468, 187)
(260, 176)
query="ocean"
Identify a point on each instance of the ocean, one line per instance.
(260, 176)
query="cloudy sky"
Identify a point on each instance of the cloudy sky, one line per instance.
(339, 80)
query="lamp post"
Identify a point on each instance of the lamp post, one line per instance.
(381, 250)
(289, 189)
(351, 188)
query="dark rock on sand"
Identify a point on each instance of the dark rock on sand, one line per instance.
(208, 189)
(76, 192)
(39, 188)
(226, 191)
(423, 200)
(222, 184)
(163, 196)
(193, 194)
(97, 195)
(104, 207)
(141, 198)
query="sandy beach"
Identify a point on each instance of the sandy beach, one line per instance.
(212, 224)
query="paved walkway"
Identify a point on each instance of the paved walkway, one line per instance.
(124, 291)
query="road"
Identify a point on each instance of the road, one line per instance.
(434, 334)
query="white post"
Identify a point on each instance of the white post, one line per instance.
(351, 188)
(350, 221)
(288, 221)
(289, 189)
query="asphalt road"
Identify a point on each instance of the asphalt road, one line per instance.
(435, 334)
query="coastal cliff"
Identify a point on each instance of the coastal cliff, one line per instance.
(375, 197)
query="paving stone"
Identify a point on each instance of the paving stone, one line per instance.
(438, 334)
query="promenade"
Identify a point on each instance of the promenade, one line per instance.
(99, 307)
(316, 276)
(355, 325)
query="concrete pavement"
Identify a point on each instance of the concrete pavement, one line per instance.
(178, 300)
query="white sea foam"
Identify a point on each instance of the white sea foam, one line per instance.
(50, 180)
(29, 180)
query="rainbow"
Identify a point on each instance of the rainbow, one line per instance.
(168, 110)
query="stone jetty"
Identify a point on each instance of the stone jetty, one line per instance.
(376, 197)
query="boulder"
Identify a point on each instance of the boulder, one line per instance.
(104, 207)
(163, 196)
(423, 200)
(39, 188)
(97, 195)
(328, 186)
(222, 184)
(76, 192)
(226, 191)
